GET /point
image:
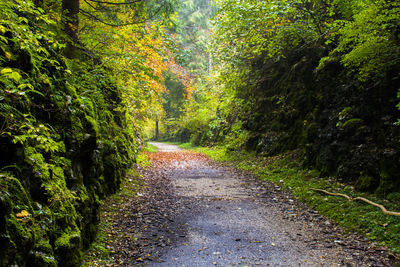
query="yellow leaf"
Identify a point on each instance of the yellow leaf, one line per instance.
(15, 76)
(24, 85)
(5, 71)
(22, 214)
(10, 74)
(8, 55)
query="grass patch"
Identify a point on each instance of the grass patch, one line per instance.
(216, 153)
(286, 171)
(143, 160)
(150, 148)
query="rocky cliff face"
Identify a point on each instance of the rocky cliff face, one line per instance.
(344, 127)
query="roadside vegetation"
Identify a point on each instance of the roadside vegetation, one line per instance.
(100, 252)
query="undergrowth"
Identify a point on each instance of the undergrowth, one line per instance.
(286, 171)
(99, 253)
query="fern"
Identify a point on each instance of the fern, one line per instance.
(6, 110)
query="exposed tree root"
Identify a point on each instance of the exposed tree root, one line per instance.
(384, 210)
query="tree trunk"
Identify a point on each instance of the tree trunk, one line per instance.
(157, 131)
(71, 10)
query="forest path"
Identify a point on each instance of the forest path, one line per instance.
(192, 211)
(163, 147)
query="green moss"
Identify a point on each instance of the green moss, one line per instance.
(13, 193)
(41, 259)
(68, 239)
(64, 212)
(345, 113)
(366, 183)
(68, 248)
(352, 124)
(44, 246)
(42, 255)
(60, 127)
(385, 184)
(83, 194)
(76, 129)
(37, 161)
(92, 126)
(20, 231)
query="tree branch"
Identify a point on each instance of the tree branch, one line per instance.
(88, 14)
(92, 6)
(113, 3)
(384, 210)
(151, 16)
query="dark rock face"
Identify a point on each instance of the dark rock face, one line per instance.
(344, 127)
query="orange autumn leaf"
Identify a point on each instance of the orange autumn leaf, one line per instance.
(22, 214)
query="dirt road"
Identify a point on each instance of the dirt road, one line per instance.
(194, 212)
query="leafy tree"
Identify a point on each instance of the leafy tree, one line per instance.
(315, 75)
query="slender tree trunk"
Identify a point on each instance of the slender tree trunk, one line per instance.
(71, 10)
(157, 130)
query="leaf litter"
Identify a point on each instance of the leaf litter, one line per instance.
(143, 226)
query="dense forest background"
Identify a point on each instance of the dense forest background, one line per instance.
(320, 77)
(84, 83)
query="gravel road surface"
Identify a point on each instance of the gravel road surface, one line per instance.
(226, 218)
(191, 211)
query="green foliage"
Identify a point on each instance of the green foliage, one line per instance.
(192, 33)
(174, 98)
(22, 221)
(65, 140)
(251, 28)
(369, 43)
(150, 148)
(319, 76)
(38, 136)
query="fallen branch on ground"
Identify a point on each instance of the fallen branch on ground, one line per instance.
(384, 210)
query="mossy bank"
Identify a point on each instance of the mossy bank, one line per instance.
(64, 142)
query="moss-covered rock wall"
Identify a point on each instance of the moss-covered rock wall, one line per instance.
(344, 126)
(63, 139)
